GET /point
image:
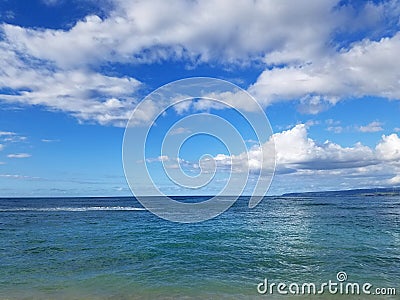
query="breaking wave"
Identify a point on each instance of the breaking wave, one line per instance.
(61, 209)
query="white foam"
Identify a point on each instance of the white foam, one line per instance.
(90, 208)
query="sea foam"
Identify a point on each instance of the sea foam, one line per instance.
(72, 209)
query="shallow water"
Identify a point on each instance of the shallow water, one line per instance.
(110, 248)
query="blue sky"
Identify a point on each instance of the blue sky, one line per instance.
(326, 73)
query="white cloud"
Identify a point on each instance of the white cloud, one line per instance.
(389, 148)
(251, 141)
(294, 149)
(241, 32)
(161, 158)
(7, 15)
(180, 130)
(11, 137)
(371, 127)
(51, 2)
(50, 140)
(334, 126)
(395, 180)
(306, 163)
(15, 139)
(332, 122)
(59, 69)
(335, 129)
(19, 155)
(18, 176)
(1, 147)
(366, 68)
(85, 94)
(299, 154)
(7, 133)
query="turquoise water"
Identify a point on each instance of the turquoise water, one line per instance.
(110, 248)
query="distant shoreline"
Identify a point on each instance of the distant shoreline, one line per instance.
(393, 191)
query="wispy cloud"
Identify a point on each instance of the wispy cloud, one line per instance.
(251, 141)
(15, 139)
(335, 129)
(371, 127)
(180, 130)
(8, 15)
(19, 155)
(11, 137)
(334, 126)
(50, 140)
(161, 158)
(7, 133)
(18, 176)
(51, 2)
(332, 122)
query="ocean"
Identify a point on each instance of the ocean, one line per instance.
(112, 248)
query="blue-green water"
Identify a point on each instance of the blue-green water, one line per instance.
(110, 248)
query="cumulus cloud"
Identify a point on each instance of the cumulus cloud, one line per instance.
(241, 32)
(84, 93)
(321, 83)
(395, 180)
(87, 95)
(303, 159)
(19, 155)
(59, 69)
(296, 149)
(389, 148)
(297, 153)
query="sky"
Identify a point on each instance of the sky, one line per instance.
(325, 73)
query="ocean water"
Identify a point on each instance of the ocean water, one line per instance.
(111, 248)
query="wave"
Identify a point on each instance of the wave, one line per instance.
(61, 209)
